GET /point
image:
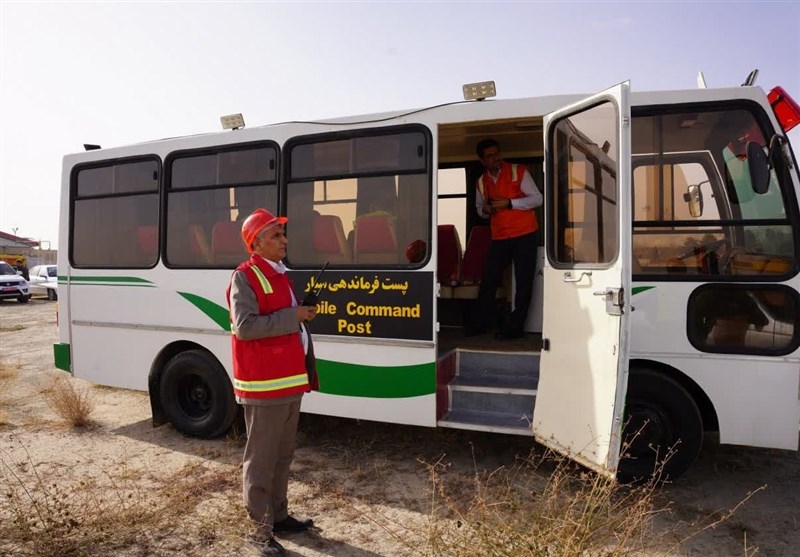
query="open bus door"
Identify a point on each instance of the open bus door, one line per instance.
(583, 373)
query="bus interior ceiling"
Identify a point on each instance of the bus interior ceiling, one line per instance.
(518, 138)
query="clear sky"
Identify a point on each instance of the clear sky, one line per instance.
(120, 73)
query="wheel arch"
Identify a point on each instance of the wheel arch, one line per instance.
(704, 404)
(154, 378)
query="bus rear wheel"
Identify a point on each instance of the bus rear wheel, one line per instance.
(196, 395)
(663, 429)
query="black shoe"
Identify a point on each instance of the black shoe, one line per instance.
(272, 547)
(291, 524)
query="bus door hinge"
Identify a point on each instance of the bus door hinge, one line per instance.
(626, 121)
(545, 344)
(615, 300)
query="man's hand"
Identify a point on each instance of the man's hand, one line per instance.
(306, 313)
(499, 204)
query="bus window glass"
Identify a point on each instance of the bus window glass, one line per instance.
(586, 230)
(208, 197)
(661, 200)
(248, 166)
(366, 199)
(452, 203)
(118, 178)
(695, 211)
(731, 319)
(359, 155)
(115, 215)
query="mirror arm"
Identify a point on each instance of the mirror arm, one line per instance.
(781, 140)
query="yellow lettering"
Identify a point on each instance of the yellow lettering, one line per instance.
(343, 326)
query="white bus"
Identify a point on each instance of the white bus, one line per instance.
(665, 298)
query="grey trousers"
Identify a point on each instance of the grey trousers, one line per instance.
(268, 454)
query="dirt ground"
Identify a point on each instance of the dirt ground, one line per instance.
(366, 485)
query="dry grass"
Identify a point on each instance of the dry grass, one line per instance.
(544, 507)
(117, 509)
(8, 372)
(72, 404)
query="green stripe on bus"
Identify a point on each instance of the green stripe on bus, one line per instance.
(218, 314)
(638, 289)
(142, 281)
(62, 357)
(338, 378)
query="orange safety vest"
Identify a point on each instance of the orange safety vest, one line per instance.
(514, 222)
(268, 367)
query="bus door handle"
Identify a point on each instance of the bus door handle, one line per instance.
(615, 299)
(570, 277)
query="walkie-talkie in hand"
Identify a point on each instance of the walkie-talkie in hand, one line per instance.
(312, 298)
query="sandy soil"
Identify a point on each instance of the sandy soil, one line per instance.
(366, 485)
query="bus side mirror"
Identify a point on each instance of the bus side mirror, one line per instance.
(758, 166)
(694, 197)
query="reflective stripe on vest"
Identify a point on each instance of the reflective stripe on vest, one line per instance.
(513, 179)
(271, 384)
(265, 285)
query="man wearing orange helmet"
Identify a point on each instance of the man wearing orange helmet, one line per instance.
(273, 365)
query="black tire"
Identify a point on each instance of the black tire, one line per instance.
(663, 428)
(52, 295)
(23, 299)
(197, 395)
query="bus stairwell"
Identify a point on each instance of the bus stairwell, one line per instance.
(484, 390)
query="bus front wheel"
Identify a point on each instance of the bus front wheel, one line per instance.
(663, 429)
(196, 395)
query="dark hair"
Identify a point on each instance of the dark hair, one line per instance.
(485, 144)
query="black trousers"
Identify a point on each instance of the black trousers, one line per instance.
(522, 252)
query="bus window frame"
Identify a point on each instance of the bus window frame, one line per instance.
(215, 150)
(692, 329)
(73, 197)
(790, 198)
(326, 137)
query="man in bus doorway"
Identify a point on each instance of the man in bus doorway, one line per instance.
(273, 365)
(506, 195)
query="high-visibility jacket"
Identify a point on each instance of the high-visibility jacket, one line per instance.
(268, 367)
(512, 223)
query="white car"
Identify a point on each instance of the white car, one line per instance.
(44, 280)
(12, 285)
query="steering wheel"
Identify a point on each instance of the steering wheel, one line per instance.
(708, 248)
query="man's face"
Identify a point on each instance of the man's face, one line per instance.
(492, 159)
(272, 243)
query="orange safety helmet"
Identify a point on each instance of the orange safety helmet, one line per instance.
(255, 223)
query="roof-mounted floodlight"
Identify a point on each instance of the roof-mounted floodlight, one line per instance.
(232, 122)
(479, 91)
(751, 79)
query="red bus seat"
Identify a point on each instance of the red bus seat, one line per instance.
(226, 243)
(448, 262)
(375, 240)
(147, 237)
(330, 243)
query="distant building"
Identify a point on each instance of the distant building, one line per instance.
(13, 247)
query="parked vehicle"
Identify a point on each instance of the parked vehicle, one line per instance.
(44, 280)
(12, 285)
